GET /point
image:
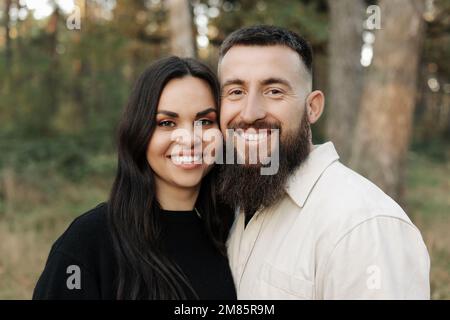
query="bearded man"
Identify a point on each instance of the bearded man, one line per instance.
(315, 229)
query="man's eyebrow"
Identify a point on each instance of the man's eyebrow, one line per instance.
(274, 80)
(168, 113)
(232, 81)
(205, 112)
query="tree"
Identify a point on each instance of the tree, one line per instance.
(345, 72)
(8, 50)
(52, 71)
(181, 31)
(384, 126)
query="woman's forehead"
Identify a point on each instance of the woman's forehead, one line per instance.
(186, 95)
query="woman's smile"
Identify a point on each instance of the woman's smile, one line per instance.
(186, 110)
(187, 161)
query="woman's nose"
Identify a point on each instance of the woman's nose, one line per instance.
(190, 137)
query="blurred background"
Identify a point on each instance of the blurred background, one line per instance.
(67, 66)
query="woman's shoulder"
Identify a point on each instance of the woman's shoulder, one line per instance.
(87, 233)
(91, 220)
(84, 255)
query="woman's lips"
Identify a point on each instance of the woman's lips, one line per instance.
(187, 161)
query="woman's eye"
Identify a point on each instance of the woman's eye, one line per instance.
(166, 123)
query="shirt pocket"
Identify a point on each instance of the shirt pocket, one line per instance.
(274, 283)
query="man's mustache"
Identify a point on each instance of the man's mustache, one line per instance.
(259, 124)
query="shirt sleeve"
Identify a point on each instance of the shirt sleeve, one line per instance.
(381, 258)
(65, 278)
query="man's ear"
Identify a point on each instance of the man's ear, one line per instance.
(314, 105)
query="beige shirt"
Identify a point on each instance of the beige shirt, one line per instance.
(334, 235)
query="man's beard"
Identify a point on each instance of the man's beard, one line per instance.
(244, 186)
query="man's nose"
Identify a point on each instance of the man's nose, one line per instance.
(253, 109)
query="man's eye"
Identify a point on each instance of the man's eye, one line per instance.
(166, 123)
(236, 92)
(274, 92)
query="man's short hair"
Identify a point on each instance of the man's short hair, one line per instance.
(266, 35)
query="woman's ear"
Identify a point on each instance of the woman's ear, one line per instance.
(315, 104)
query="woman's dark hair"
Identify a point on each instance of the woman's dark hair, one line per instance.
(144, 270)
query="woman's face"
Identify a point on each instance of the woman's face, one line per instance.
(175, 149)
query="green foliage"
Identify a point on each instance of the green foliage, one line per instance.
(61, 100)
(308, 18)
(437, 149)
(77, 85)
(73, 157)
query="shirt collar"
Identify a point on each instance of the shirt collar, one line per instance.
(302, 181)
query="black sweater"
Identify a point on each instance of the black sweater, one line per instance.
(87, 245)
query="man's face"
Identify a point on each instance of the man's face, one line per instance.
(263, 87)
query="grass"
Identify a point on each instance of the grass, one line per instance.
(35, 210)
(428, 204)
(36, 213)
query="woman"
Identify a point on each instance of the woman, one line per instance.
(161, 235)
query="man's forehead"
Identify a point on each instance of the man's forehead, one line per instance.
(245, 62)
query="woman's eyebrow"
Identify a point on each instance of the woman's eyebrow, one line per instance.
(168, 113)
(198, 114)
(205, 112)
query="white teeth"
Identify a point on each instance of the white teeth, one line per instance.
(252, 136)
(186, 159)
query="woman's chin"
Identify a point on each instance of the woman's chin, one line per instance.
(187, 180)
(187, 183)
(188, 176)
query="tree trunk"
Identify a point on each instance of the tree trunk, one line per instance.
(345, 72)
(389, 95)
(53, 68)
(8, 49)
(181, 28)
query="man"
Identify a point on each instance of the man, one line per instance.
(315, 229)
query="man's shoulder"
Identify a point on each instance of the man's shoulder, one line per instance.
(344, 203)
(343, 194)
